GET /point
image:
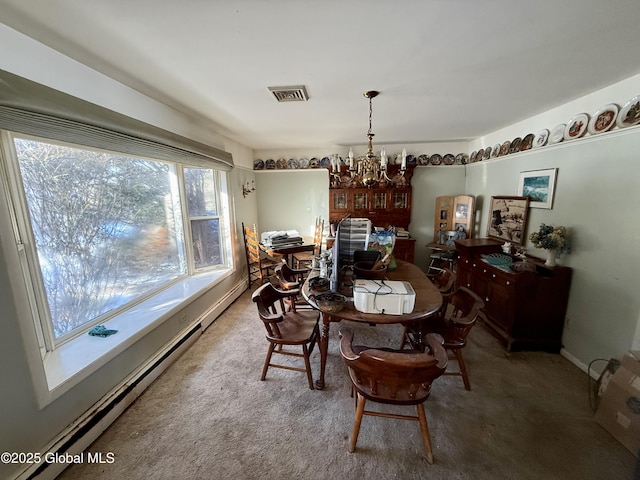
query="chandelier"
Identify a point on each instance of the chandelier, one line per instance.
(369, 170)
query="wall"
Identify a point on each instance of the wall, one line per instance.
(23, 426)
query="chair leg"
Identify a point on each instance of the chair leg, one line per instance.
(267, 361)
(463, 368)
(403, 342)
(357, 421)
(307, 365)
(424, 429)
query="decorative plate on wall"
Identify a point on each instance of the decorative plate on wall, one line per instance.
(435, 159)
(515, 145)
(472, 157)
(540, 139)
(270, 164)
(304, 162)
(293, 163)
(258, 164)
(527, 142)
(423, 159)
(603, 119)
(504, 149)
(449, 159)
(496, 150)
(576, 127)
(281, 163)
(487, 154)
(557, 133)
(629, 114)
(462, 159)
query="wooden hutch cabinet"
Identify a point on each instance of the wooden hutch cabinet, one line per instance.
(525, 308)
(384, 205)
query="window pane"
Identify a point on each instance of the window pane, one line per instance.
(104, 227)
(206, 242)
(201, 192)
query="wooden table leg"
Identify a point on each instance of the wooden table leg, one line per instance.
(324, 348)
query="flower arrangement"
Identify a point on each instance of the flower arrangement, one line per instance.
(551, 238)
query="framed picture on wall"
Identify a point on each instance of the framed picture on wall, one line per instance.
(508, 219)
(539, 186)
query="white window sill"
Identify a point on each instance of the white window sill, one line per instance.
(77, 359)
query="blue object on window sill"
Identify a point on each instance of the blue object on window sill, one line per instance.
(101, 331)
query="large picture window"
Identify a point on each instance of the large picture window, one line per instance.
(107, 229)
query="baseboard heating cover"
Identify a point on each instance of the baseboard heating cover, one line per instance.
(86, 429)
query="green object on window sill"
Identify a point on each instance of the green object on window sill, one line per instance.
(101, 331)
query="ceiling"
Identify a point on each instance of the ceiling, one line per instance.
(446, 69)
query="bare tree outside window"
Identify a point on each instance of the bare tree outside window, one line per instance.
(105, 227)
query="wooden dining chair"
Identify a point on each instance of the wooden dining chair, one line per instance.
(286, 329)
(259, 266)
(459, 312)
(444, 279)
(289, 279)
(305, 258)
(396, 377)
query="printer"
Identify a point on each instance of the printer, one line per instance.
(389, 297)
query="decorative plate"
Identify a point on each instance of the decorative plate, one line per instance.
(449, 159)
(540, 140)
(497, 259)
(281, 163)
(576, 127)
(527, 142)
(411, 160)
(423, 159)
(258, 164)
(496, 150)
(629, 114)
(462, 159)
(504, 149)
(557, 134)
(603, 119)
(304, 162)
(325, 162)
(314, 163)
(270, 164)
(480, 155)
(487, 153)
(515, 145)
(293, 163)
(473, 157)
(435, 159)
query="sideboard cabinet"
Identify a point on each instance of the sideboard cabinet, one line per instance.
(525, 308)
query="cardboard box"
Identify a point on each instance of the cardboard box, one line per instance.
(619, 410)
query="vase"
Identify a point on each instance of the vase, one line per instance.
(551, 258)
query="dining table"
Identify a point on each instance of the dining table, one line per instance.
(428, 301)
(287, 249)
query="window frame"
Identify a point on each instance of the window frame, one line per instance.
(28, 257)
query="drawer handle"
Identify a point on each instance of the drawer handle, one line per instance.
(493, 276)
(508, 282)
(486, 299)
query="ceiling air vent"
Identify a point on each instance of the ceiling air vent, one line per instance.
(296, 93)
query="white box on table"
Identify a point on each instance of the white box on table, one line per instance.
(390, 297)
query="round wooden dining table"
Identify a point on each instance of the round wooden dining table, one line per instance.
(428, 301)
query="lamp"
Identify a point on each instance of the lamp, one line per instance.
(369, 170)
(247, 189)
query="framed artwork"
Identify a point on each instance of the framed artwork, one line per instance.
(508, 219)
(539, 186)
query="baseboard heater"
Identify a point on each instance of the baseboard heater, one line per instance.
(112, 405)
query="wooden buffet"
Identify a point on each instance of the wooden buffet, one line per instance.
(526, 309)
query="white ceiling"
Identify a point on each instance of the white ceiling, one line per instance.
(446, 69)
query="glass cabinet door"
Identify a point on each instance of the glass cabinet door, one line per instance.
(400, 200)
(379, 200)
(360, 201)
(340, 200)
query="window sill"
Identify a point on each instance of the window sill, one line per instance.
(77, 359)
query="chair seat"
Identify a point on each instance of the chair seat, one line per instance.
(296, 328)
(448, 332)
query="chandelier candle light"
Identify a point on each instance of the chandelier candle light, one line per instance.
(369, 170)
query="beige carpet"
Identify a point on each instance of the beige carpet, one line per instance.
(210, 417)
